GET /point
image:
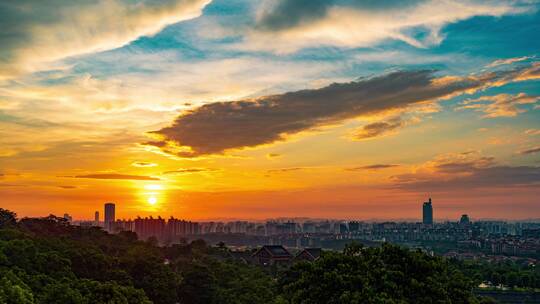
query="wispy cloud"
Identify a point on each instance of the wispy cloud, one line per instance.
(502, 105)
(282, 170)
(37, 33)
(116, 176)
(273, 155)
(507, 61)
(190, 171)
(67, 187)
(291, 24)
(373, 167)
(530, 151)
(378, 129)
(532, 132)
(143, 164)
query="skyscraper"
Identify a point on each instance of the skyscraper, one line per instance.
(464, 220)
(109, 216)
(427, 213)
(96, 218)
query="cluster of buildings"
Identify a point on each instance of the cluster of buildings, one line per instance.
(486, 237)
(509, 245)
(171, 230)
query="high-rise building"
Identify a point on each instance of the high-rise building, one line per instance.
(427, 213)
(149, 227)
(109, 216)
(96, 218)
(464, 220)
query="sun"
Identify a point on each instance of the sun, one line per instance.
(152, 200)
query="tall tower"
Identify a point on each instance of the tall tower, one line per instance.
(427, 213)
(109, 216)
(96, 218)
(464, 220)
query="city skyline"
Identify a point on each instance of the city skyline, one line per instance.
(461, 239)
(426, 217)
(218, 109)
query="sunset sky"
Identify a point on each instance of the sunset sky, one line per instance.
(244, 109)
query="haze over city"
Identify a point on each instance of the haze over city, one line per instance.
(252, 110)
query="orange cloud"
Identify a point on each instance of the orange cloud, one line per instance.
(143, 164)
(117, 176)
(531, 150)
(502, 105)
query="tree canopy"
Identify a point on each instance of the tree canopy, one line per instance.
(47, 260)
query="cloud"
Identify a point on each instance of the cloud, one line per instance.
(502, 105)
(291, 24)
(143, 164)
(273, 155)
(378, 129)
(67, 187)
(190, 170)
(281, 15)
(532, 132)
(530, 151)
(507, 61)
(36, 33)
(217, 127)
(281, 170)
(11, 185)
(117, 176)
(461, 166)
(466, 171)
(373, 167)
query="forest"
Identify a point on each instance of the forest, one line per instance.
(47, 260)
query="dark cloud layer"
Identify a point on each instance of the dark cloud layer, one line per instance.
(117, 176)
(217, 127)
(499, 176)
(464, 166)
(482, 172)
(290, 13)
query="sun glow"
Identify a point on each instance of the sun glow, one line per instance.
(153, 187)
(152, 200)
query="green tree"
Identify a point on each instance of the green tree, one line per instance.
(7, 218)
(198, 285)
(14, 291)
(389, 274)
(61, 293)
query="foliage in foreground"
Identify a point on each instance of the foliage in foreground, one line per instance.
(388, 274)
(49, 261)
